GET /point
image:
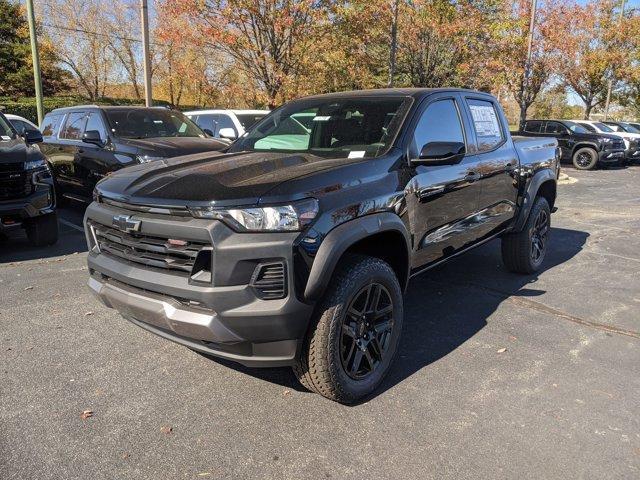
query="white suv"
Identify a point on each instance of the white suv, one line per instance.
(229, 124)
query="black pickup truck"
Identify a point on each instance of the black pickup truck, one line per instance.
(585, 149)
(295, 246)
(27, 195)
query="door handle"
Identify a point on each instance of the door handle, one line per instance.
(472, 177)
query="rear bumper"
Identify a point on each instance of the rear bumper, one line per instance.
(224, 316)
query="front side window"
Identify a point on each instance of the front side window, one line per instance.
(74, 128)
(50, 125)
(150, 123)
(629, 128)
(440, 122)
(533, 126)
(95, 123)
(486, 124)
(224, 121)
(573, 126)
(206, 121)
(355, 127)
(589, 127)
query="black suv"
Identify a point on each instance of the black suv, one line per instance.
(584, 149)
(294, 247)
(27, 196)
(86, 143)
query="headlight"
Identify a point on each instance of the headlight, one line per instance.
(35, 164)
(277, 218)
(148, 158)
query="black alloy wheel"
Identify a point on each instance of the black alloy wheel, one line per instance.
(539, 237)
(366, 331)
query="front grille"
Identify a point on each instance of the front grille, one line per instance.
(15, 183)
(269, 281)
(151, 251)
(617, 145)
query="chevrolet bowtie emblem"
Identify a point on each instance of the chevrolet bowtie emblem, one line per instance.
(125, 224)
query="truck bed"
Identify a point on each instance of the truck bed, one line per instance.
(533, 150)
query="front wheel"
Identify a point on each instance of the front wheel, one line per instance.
(355, 331)
(524, 252)
(585, 158)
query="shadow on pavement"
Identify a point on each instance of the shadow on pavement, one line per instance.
(448, 305)
(15, 247)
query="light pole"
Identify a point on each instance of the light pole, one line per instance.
(37, 79)
(610, 82)
(146, 54)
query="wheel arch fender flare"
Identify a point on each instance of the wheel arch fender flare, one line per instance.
(344, 236)
(584, 144)
(530, 194)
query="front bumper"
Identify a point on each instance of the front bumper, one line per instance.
(632, 154)
(224, 316)
(14, 212)
(611, 156)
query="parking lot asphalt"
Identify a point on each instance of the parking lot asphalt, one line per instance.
(498, 375)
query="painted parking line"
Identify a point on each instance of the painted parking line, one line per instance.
(71, 225)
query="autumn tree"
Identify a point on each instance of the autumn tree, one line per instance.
(268, 39)
(16, 69)
(589, 49)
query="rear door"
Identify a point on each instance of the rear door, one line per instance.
(497, 165)
(441, 199)
(561, 133)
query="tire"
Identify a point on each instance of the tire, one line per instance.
(42, 231)
(524, 252)
(585, 158)
(337, 339)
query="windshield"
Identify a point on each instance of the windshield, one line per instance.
(602, 127)
(575, 127)
(355, 127)
(629, 128)
(6, 133)
(151, 123)
(248, 120)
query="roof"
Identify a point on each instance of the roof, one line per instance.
(395, 92)
(227, 110)
(105, 107)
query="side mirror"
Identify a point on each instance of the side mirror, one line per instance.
(93, 137)
(208, 132)
(227, 133)
(442, 153)
(32, 136)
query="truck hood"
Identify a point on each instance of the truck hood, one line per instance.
(212, 179)
(16, 151)
(174, 146)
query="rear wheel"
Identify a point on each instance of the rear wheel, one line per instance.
(585, 158)
(43, 230)
(355, 331)
(524, 252)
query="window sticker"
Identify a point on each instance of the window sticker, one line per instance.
(357, 154)
(322, 118)
(5, 138)
(485, 121)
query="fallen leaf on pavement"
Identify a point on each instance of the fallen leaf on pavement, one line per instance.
(286, 393)
(166, 430)
(86, 414)
(28, 288)
(502, 350)
(88, 313)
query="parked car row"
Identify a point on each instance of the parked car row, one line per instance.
(587, 144)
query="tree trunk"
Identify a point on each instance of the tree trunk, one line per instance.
(394, 42)
(587, 110)
(523, 115)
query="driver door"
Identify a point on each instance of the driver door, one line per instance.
(441, 199)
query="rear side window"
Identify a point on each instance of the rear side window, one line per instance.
(533, 126)
(486, 124)
(74, 127)
(440, 122)
(51, 124)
